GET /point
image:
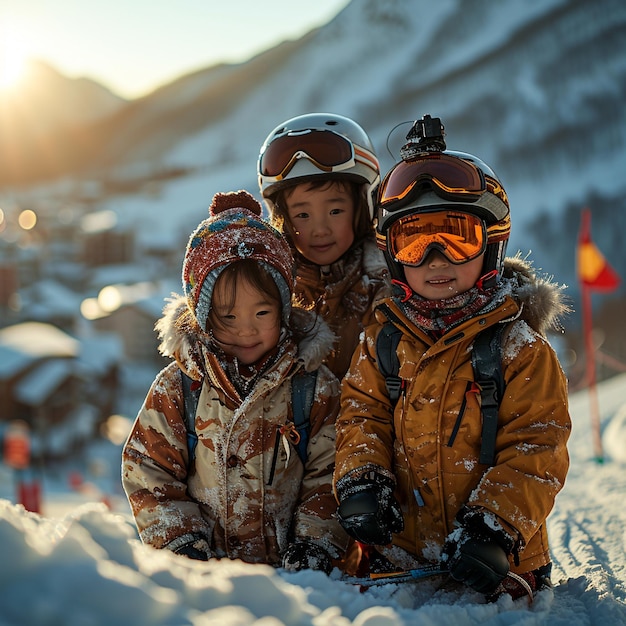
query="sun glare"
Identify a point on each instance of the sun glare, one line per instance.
(13, 57)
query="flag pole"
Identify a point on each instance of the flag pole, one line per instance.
(591, 374)
(595, 274)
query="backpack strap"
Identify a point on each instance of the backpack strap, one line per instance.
(386, 352)
(388, 363)
(191, 395)
(487, 365)
(302, 393)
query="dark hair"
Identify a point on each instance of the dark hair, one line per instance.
(361, 223)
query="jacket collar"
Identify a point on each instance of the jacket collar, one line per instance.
(363, 258)
(538, 301)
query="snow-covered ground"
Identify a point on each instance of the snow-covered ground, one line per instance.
(81, 564)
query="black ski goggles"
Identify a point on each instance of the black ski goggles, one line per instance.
(326, 149)
(454, 178)
(461, 237)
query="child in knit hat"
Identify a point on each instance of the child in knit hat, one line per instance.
(244, 492)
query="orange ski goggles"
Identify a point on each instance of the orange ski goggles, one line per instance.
(461, 237)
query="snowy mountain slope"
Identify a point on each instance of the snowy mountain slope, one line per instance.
(47, 99)
(35, 119)
(535, 89)
(149, 127)
(144, 129)
(501, 73)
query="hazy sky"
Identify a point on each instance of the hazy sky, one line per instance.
(133, 46)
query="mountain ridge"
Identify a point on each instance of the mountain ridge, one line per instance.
(534, 89)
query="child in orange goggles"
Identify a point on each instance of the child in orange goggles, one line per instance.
(439, 475)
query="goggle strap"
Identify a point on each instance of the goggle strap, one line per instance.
(499, 231)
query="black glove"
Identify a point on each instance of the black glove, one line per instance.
(198, 549)
(477, 555)
(306, 555)
(368, 510)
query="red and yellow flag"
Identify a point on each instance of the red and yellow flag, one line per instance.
(594, 271)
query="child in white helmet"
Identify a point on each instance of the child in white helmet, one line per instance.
(317, 173)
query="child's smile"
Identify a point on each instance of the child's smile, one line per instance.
(436, 278)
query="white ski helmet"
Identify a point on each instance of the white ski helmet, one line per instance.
(317, 144)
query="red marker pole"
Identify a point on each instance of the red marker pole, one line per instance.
(594, 273)
(17, 455)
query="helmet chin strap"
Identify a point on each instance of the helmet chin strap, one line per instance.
(488, 280)
(405, 290)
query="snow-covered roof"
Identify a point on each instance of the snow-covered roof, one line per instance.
(153, 305)
(38, 339)
(35, 388)
(23, 343)
(98, 352)
(12, 361)
(49, 297)
(121, 273)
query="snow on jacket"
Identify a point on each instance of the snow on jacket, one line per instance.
(226, 497)
(344, 294)
(436, 466)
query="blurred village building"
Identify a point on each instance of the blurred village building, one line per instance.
(61, 387)
(76, 325)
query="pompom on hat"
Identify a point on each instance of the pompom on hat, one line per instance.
(233, 232)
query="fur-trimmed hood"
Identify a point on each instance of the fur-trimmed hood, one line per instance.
(542, 301)
(180, 335)
(373, 259)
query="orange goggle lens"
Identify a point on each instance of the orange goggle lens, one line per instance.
(461, 237)
(327, 150)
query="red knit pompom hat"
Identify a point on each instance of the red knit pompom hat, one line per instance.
(234, 231)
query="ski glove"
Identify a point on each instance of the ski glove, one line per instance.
(368, 510)
(306, 555)
(477, 554)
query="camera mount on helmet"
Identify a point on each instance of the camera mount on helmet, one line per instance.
(426, 135)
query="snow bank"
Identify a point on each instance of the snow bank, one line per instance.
(88, 568)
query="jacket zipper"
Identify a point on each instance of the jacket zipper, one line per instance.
(471, 387)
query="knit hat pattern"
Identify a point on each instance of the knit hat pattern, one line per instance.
(234, 231)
